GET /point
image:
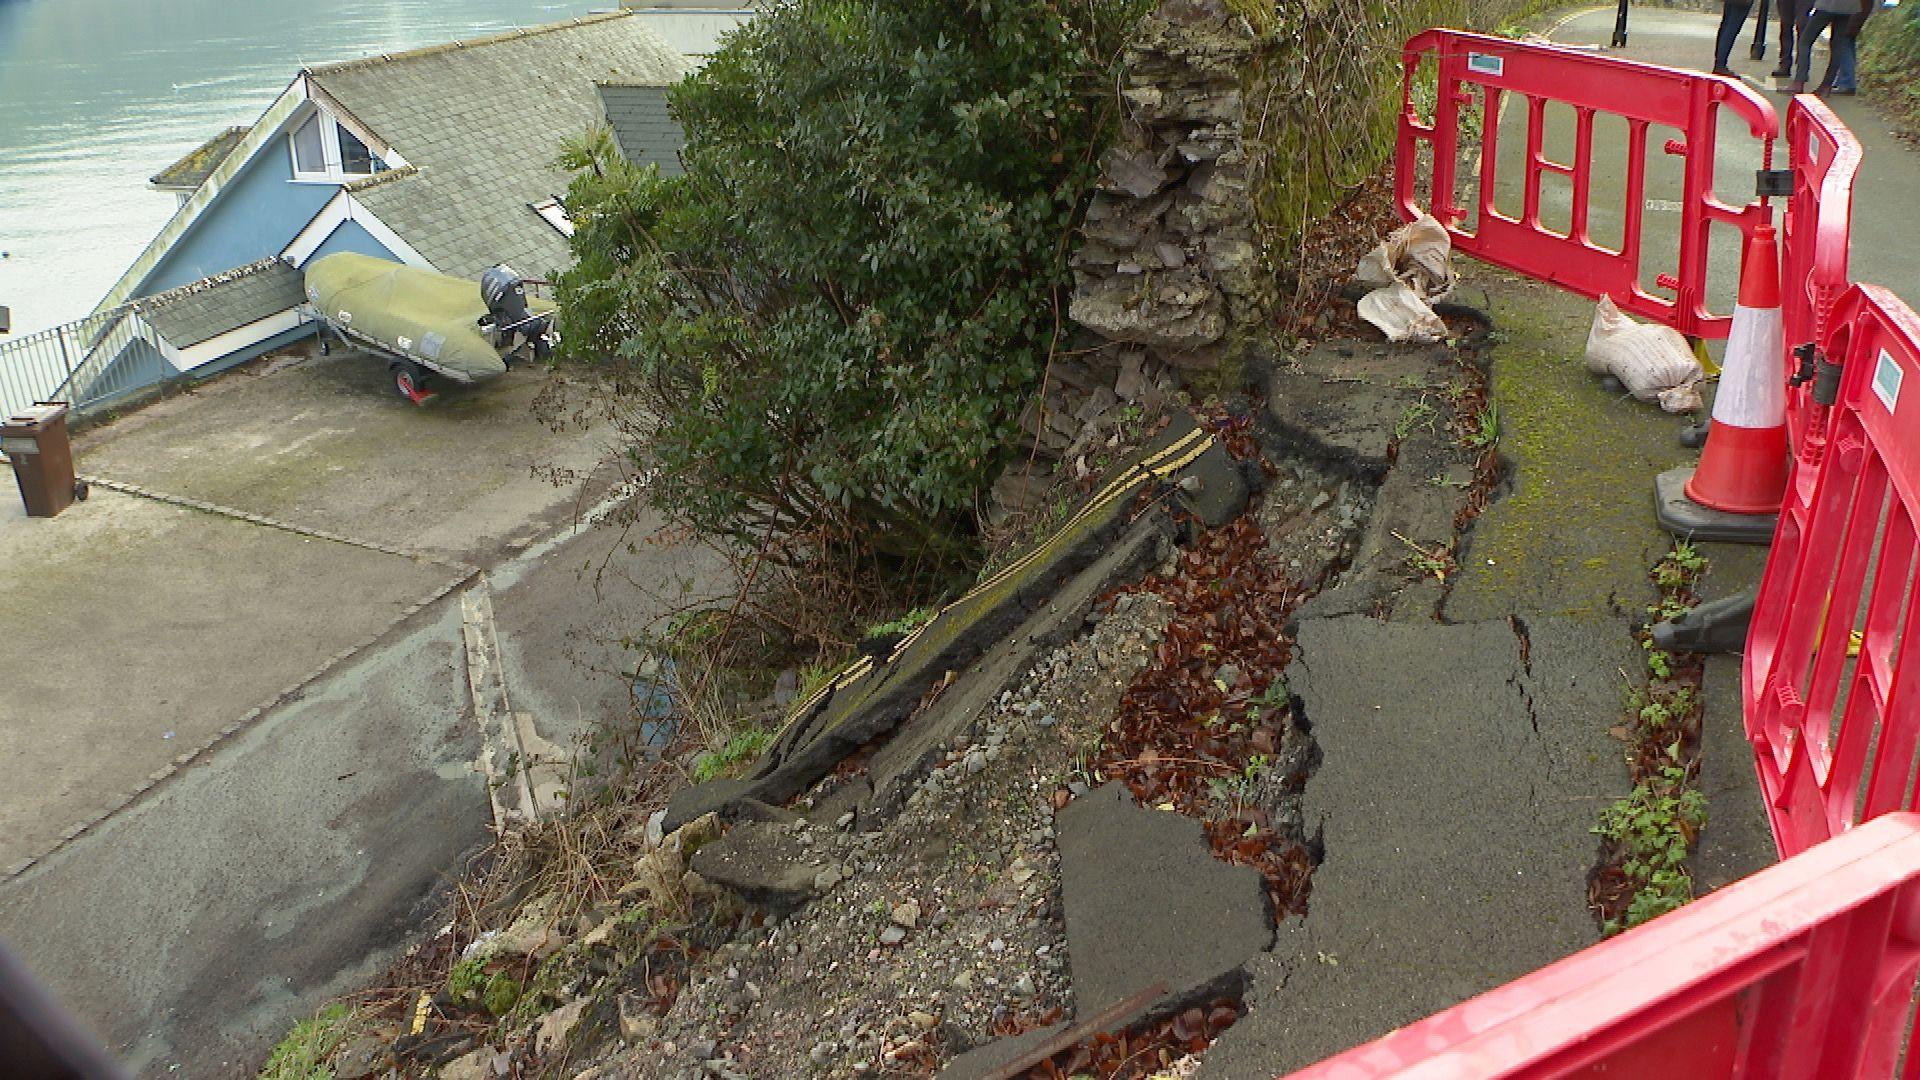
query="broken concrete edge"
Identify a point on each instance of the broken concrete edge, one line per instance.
(228, 731)
(902, 765)
(249, 518)
(871, 698)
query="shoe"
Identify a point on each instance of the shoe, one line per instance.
(1781, 73)
(1728, 72)
(1849, 92)
(1796, 89)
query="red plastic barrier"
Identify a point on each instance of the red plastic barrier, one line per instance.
(1835, 736)
(1825, 159)
(1804, 969)
(1644, 95)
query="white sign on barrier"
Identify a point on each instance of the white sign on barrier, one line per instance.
(1886, 380)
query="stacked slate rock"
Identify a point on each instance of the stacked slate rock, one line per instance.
(1170, 259)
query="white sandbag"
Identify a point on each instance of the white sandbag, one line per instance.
(1412, 267)
(1418, 255)
(1652, 361)
(1402, 315)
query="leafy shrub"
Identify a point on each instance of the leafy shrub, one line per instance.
(831, 320)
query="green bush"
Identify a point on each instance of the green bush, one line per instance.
(1890, 59)
(831, 321)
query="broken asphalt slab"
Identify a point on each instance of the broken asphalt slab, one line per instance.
(1379, 414)
(1463, 766)
(1146, 902)
(1154, 922)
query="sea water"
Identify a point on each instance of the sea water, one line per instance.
(98, 95)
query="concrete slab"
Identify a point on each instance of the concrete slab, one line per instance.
(572, 609)
(1462, 768)
(1145, 902)
(320, 441)
(190, 929)
(136, 631)
(1737, 840)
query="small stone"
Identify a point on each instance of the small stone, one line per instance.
(1020, 872)
(822, 1053)
(826, 879)
(703, 1049)
(557, 1025)
(845, 821)
(475, 1066)
(923, 1020)
(1023, 987)
(1229, 674)
(636, 1023)
(906, 915)
(963, 981)
(892, 935)
(996, 946)
(976, 763)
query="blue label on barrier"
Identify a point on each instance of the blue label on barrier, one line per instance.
(1886, 380)
(1483, 64)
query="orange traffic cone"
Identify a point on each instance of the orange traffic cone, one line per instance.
(1743, 469)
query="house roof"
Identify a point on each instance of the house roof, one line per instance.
(207, 308)
(481, 123)
(644, 129)
(187, 173)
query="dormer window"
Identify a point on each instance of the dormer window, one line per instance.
(325, 152)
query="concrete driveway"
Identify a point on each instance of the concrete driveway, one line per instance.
(237, 691)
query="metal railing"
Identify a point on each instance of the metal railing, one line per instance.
(87, 362)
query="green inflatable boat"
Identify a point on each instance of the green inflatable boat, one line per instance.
(429, 326)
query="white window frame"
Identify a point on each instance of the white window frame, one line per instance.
(554, 213)
(334, 172)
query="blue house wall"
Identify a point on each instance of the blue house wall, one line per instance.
(352, 236)
(257, 214)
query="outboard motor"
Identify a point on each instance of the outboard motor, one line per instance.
(505, 293)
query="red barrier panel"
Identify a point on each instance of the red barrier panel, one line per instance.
(1835, 735)
(1644, 95)
(1815, 233)
(1804, 969)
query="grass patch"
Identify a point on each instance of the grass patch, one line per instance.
(304, 1053)
(740, 749)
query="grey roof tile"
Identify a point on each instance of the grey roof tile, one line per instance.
(482, 122)
(207, 308)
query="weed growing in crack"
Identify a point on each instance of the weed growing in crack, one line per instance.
(1642, 874)
(1419, 417)
(1485, 429)
(1652, 829)
(1435, 562)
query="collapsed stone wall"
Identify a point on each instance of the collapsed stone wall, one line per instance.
(1170, 262)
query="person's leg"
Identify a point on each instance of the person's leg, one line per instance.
(1803, 49)
(1789, 22)
(1733, 16)
(1846, 79)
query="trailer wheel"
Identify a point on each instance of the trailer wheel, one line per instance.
(410, 380)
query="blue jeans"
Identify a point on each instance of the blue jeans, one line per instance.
(1733, 16)
(1842, 45)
